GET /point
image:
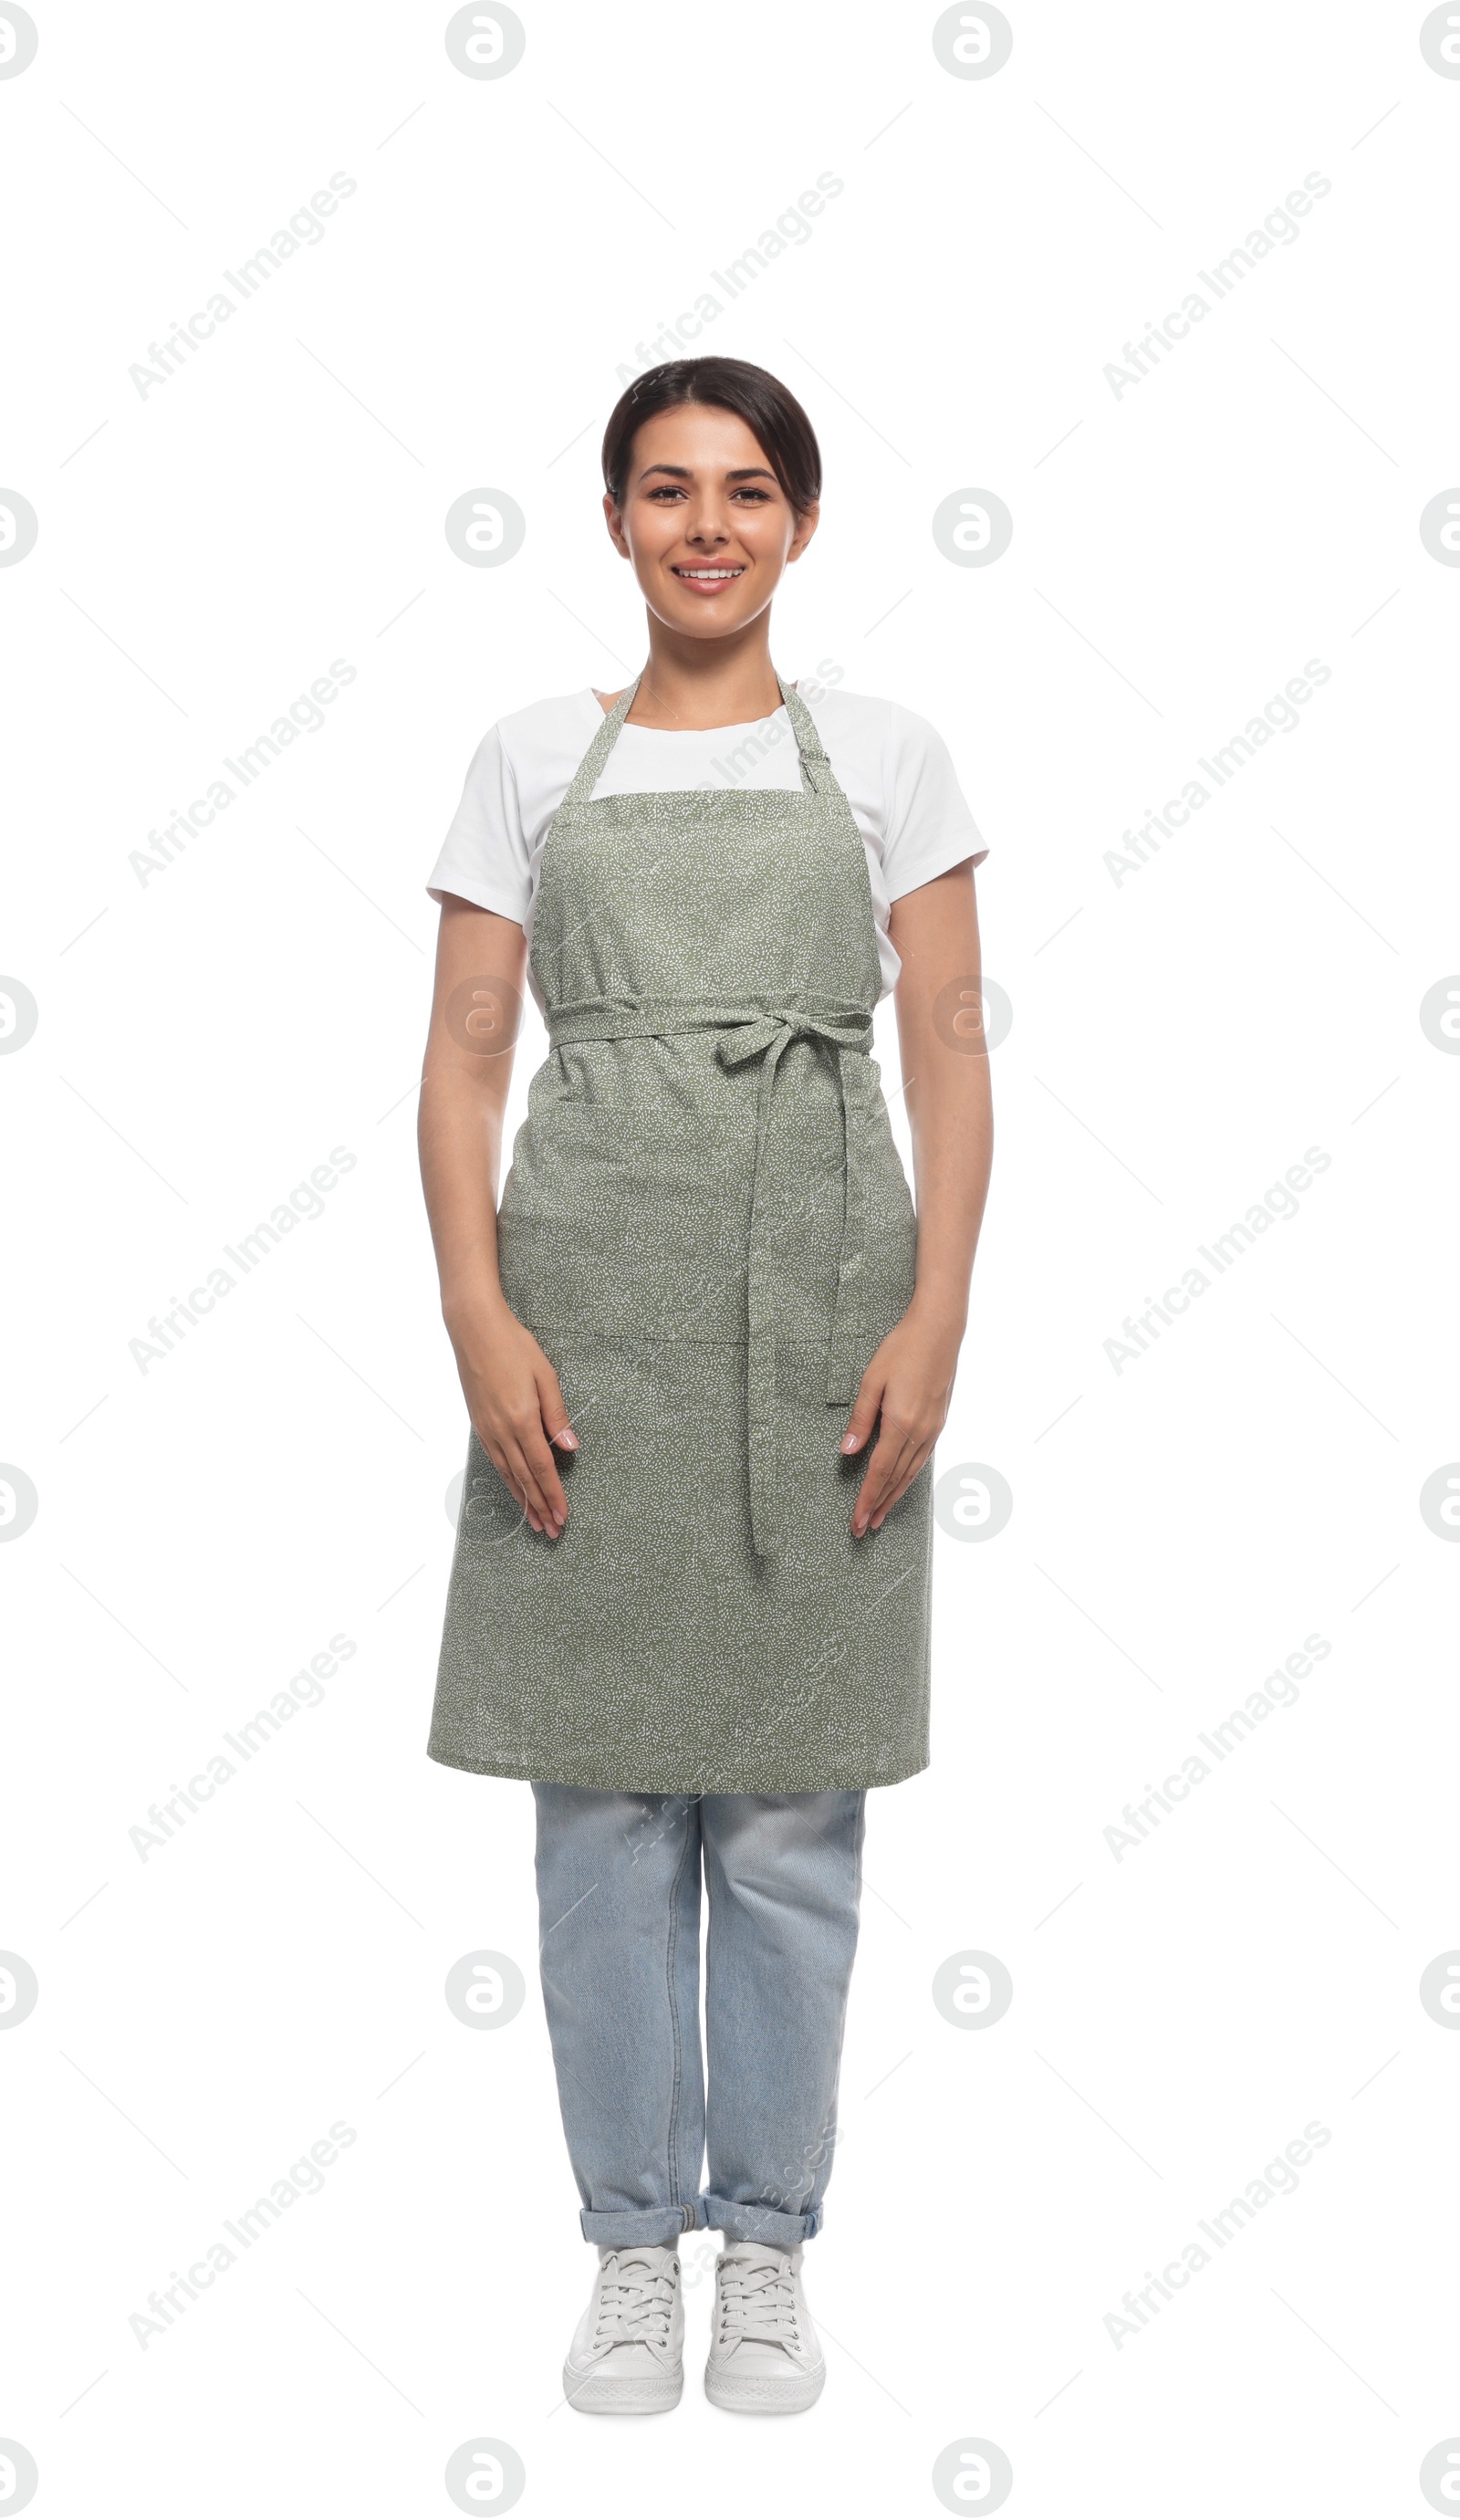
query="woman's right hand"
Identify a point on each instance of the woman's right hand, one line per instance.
(517, 1409)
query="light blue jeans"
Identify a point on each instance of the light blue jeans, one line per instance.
(619, 1894)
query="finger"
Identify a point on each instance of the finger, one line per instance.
(543, 1471)
(865, 1410)
(554, 1415)
(894, 1470)
(505, 1468)
(524, 1486)
(905, 1474)
(885, 1454)
(508, 1451)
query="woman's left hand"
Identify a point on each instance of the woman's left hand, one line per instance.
(909, 1385)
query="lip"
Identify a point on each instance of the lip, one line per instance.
(706, 587)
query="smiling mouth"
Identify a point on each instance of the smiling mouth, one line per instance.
(709, 576)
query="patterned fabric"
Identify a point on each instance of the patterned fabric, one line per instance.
(707, 1228)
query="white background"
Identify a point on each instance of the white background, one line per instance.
(1180, 1038)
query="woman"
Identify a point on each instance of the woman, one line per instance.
(706, 1350)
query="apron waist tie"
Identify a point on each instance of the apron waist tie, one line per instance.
(766, 1034)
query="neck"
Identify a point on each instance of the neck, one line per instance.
(691, 683)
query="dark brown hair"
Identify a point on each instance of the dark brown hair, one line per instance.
(753, 394)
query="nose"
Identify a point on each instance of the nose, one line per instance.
(708, 524)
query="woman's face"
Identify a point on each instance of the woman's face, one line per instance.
(704, 520)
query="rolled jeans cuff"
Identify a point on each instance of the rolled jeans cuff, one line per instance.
(757, 2221)
(647, 2226)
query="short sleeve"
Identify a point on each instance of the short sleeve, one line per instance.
(929, 827)
(486, 856)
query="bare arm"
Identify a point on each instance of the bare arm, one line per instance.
(511, 1388)
(909, 1381)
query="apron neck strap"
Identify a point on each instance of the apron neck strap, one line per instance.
(590, 769)
(815, 769)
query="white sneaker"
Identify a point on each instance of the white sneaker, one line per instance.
(627, 2357)
(764, 2356)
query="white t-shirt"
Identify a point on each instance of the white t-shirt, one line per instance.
(894, 769)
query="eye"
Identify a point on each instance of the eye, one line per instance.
(762, 497)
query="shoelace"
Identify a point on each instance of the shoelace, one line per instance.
(757, 2303)
(635, 2300)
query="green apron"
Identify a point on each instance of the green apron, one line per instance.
(708, 1231)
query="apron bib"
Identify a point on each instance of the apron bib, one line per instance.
(707, 1228)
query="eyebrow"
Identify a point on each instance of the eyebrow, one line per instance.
(741, 473)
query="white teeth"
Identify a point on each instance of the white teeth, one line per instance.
(709, 572)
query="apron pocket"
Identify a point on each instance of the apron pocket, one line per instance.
(608, 1222)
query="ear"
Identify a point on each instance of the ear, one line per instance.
(806, 526)
(613, 519)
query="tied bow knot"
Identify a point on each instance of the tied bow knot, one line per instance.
(775, 1032)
